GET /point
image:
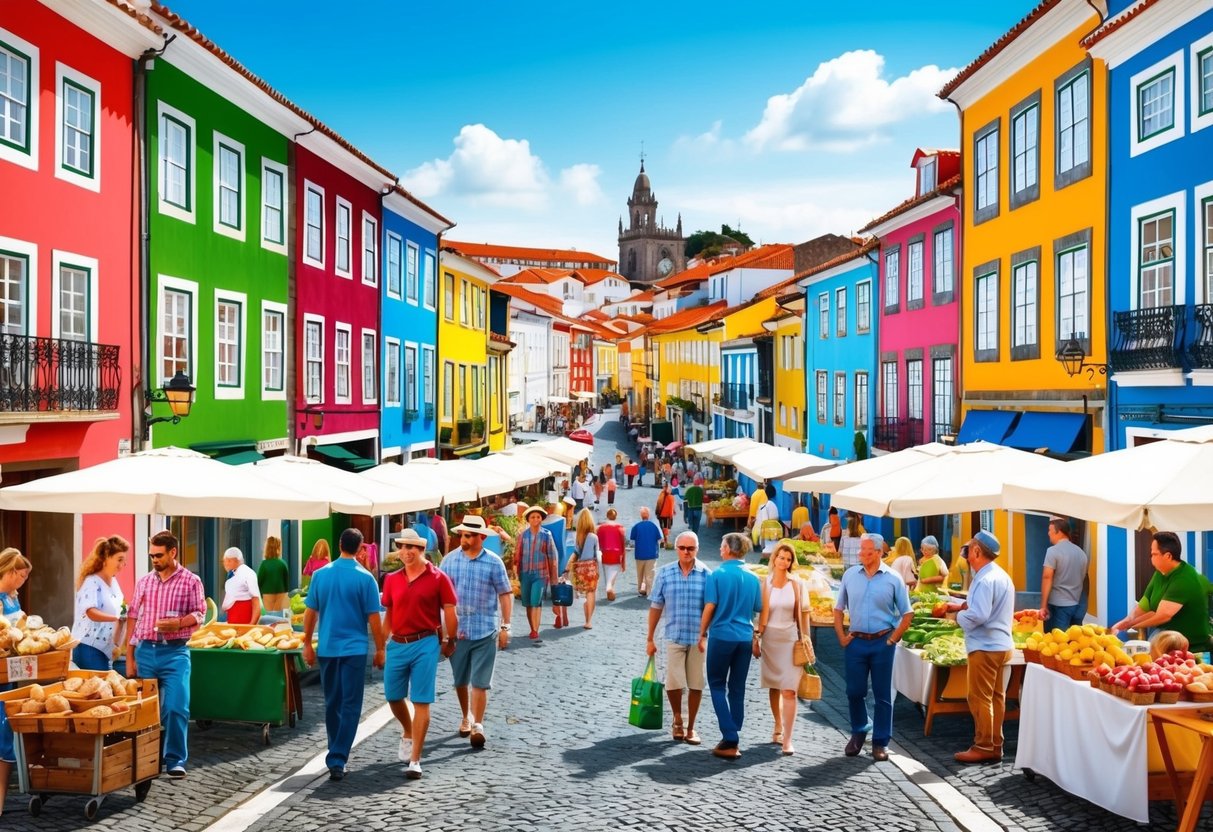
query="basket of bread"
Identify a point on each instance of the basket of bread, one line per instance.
(251, 637)
(79, 702)
(47, 648)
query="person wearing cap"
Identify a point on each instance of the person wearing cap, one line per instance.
(482, 587)
(986, 620)
(931, 567)
(536, 559)
(422, 622)
(241, 594)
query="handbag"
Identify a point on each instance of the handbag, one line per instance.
(647, 709)
(810, 684)
(562, 594)
(802, 651)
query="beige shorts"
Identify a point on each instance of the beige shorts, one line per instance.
(683, 667)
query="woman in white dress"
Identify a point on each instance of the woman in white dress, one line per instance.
(777, 626)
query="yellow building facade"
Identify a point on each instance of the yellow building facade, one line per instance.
(685, 349)
(787, 331)
(463, 358)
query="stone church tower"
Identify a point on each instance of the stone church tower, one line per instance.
(648, 252)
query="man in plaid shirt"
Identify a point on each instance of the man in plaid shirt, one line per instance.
(535, 562)
(678, 590)
(167, 608)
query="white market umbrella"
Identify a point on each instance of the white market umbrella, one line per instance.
(563, 449)
(553, 466)
(346, 491)
(486, 482)
(967, 478)
(768, 462)
(853, 473)
(443, 488)
(723, 450)
(559, 400)
(1166, 484)
(522, 471)
(170, 481)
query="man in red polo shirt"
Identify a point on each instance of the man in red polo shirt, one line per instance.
(420, 602)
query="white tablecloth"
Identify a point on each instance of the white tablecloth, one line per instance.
(1090, 743)
(912, 677)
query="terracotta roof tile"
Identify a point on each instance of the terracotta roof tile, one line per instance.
(140, 18)
(1115, 23)
(944, 188)
(868, 245)
(998, 46)
(687, 318)
(526, 253)
(591, 276)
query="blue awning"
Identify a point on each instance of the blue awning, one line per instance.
(1055, 432)
(987, 425)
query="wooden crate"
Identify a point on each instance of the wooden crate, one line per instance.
(147, 753)
(51, 771)
(50, 665)
(103, 724)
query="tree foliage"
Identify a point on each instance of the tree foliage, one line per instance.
(712, 243)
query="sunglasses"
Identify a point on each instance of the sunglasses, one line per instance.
(687, 548)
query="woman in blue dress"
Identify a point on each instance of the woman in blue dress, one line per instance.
(14, 569)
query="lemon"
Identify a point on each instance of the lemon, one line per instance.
(1066, 654)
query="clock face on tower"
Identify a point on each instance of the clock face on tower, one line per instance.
(664, 266)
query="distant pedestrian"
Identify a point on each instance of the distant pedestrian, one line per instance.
(732, 597)
(536, 559)
(611, 486)
(631, 470)
(273, 578)
(585, 564)
(646, 537)
(902, 561)
(692, 506)
(1063, 578)
(834, 524)
(483, 589)
(613, 545)
(678, 591)
(666, 506)
(320, 557)
(344, 601)
(579, 491)
(618, 471)
(438, 525)
(421, 618)
(599, 484)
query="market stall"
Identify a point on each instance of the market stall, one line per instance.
(941, 689)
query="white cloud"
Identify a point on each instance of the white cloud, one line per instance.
(581, 181)
(846, 104)
(708, 142)
(484, 167)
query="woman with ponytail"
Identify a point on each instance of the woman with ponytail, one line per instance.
(99, 604)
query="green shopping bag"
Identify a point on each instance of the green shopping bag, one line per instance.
(647, 707)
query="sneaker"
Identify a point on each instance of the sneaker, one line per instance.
(406, 749)
(465, 727)
(477, 735)
(534, 634)
(413, 772)
(336, 773)
(176, 772)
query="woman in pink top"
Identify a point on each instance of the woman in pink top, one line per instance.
(613, 545)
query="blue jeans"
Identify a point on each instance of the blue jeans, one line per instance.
(88, 657)
(1064, 616)
(692, 517)
(343, 679)
(728, 663)
(863, 659)
(170, 666)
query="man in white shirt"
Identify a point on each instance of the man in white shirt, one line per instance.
(241, 595)
(579, 490)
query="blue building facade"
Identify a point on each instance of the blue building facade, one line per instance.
(738, 389)
(409, 327)
(1160, 258)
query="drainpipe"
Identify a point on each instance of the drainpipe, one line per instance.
(1110, 423)
(958, 278)
(379, 341)
(294, 443)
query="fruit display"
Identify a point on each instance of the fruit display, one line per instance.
(245, 637)
(1081, 646)
(946, 649)
(1141, 684)
(821, 611)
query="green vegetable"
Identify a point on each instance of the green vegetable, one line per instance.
(947, 650)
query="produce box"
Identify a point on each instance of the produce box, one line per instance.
(49, 665)
(147, 753)
(256, 637)
(65, 762)
(143, 713)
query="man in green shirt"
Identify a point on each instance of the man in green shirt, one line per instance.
(1175, 598)
(692, 506)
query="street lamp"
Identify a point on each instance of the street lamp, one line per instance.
(316, 413)
(1073, 359)
(178, 393)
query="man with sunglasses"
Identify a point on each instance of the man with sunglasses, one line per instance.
(168, 606)
(420, 603)
(679, 590)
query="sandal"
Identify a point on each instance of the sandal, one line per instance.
(679, 734)
(465, 727)
(777, 737)
(691, 737)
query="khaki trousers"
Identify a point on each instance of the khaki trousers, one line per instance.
(987, 697)
(644, 574)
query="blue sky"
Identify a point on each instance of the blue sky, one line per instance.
(523, 121)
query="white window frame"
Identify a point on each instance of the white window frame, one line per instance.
(412, 276)
(890, 392)
(236, 232)
(391, 372)
(232, 391)
(308, 360)
(1173, 64)
(822, 390)
(394, 273)
(938, 286)
(348, 271)
(429, 279)
(369, 373)
(783, 415)
(1070, 300)
(823, 314)
(863, 322)
(428, 367)
(338, 365)
(1176, 202)
(270, 307)
(29, 253)
(943, 399)
(370, 249)
(1204, 243)
(914, 382)
(189, 287)
(861, 400)
(1200, 120)
(985, 338)
(915, 276)
(27, 156)
(66, 75)
(840, 312)
(278, 169)
(409, 386)
(840, 389)
(928, 172)
(163, 205)
(892, 278)
(60, 260)
(310, 188)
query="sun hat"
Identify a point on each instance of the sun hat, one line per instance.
(529, 510)
(569, 501)
(409, 536)
(473, 523)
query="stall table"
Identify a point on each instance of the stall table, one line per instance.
(248, 686)
(737, 515)
(1097, 746)
(1200, 724)
(944, 690)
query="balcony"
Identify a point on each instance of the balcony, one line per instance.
(1148, 339)
(53, 375)
(1200, 351)
(890, 433)
(736, 396)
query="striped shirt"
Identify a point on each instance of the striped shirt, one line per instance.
(478, 583)
(681, 596)
(536, 552)
(177, 596)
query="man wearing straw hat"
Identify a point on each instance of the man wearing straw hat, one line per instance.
(536, 562)
(482, 587)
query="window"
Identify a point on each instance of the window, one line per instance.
(411, 273)
(176, 163)
(313, 350)
(892, 279)
(1073, 125)
(370, 367)
(427, 375)
(1204, 81)
(888, 389)
(391, 373)
(1206, 225)
(927, 176)
(863, 307)
(861, 401)
(313, 225)
(914, 388)
(985, 166)
(1156, 261)
(14, 288)
(1025, 291)
(344, 219)
(783, 415)
(176, 332)
(428, 278)
(448, 389)
(395, 257)
(985, 297)
(823, 314)
(228, 325)
(228, 187)
(482, 302)
(943, 270)
(77, 121)
(463, 391)
(341, 360)
(1025, 151)
(840, 312)
(18, 77)
(914, 287)
(465, 307)
(1072, 255)
(73, 302)
(1156, 105)
(273, 206)
(477, 391)
(370, 250)
(410, 377)
(795, 420)
(448, 295)
(840, 398)
(822, 403)
(1157, 114)
(273, 349)
(941, 378)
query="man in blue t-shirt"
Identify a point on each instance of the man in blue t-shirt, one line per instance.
(344, 599)
(646, 536)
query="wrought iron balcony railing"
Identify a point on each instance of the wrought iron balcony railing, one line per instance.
(895, 434)
(736, 396)
(55, 374)
(1200, 351)
(1148, 339)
